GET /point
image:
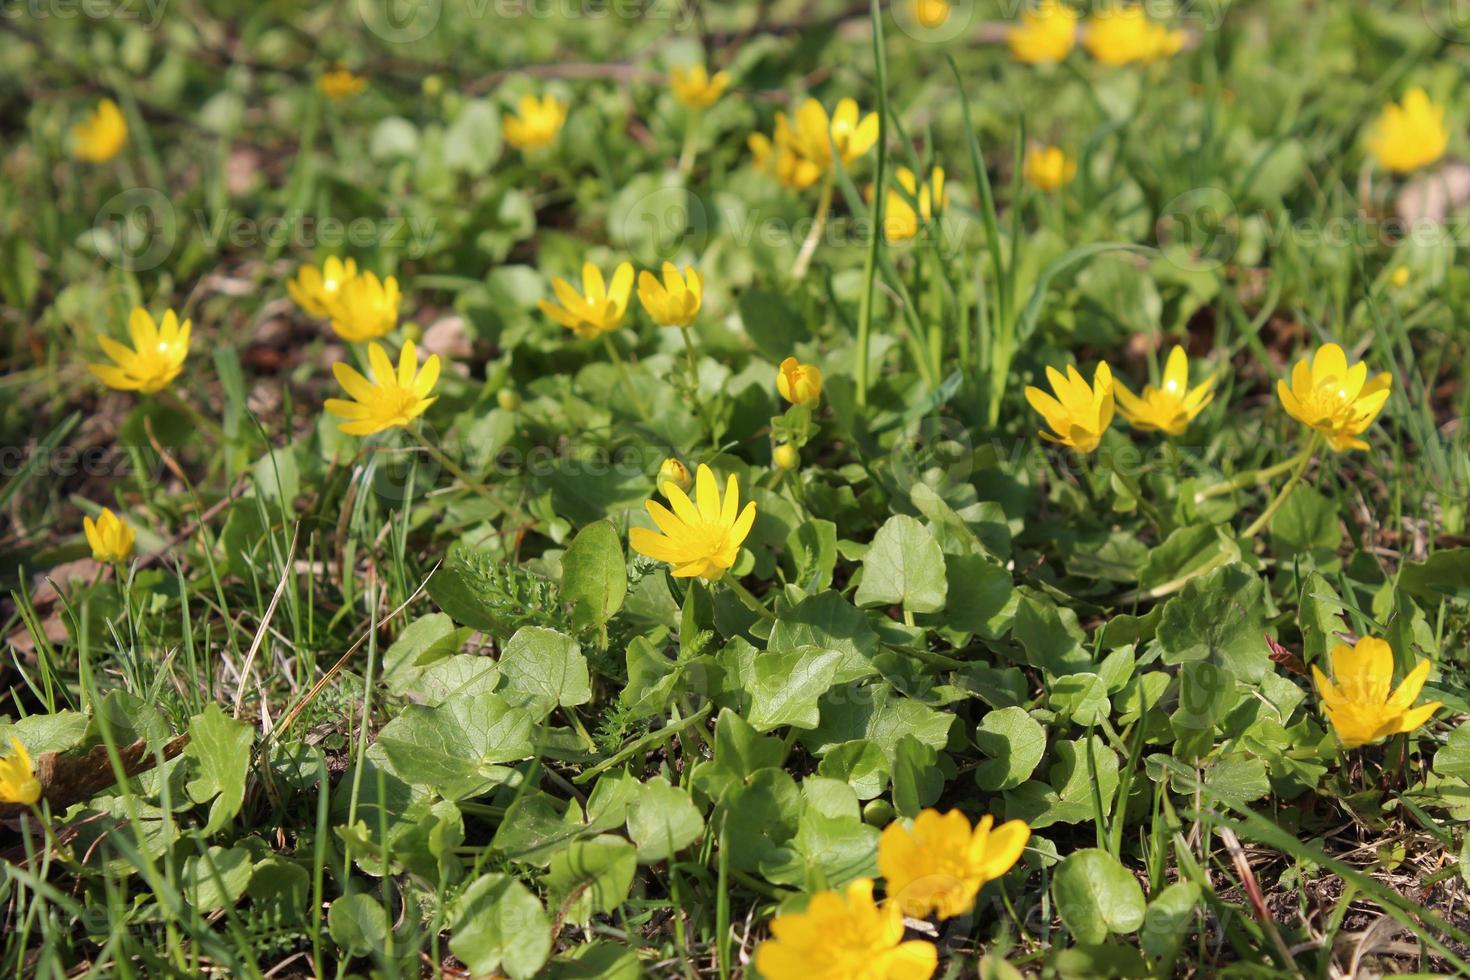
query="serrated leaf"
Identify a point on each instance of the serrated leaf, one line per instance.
(455, 747)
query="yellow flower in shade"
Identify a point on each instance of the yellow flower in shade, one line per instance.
(779, 160)
(1048, 168)
(109, 536)
(696, 88)
(900, 220)
(314, 289)
(99, 137)
(1123, 35)
(814, 136)
(1171, 408)
(785, 456)
(798, 383)
(1358, 702)
(156, 358)
(844, 936)
(536, 122)
(600, 307)
(1046, 33)
(675, 301)
(340, 84)
(938, 866)
(1080, 413)
(1336, 400)
(698, 540)
(675, 472)
(392, 398)
(364, 307)
(931, 13)
(18, 782)
(1410, 134)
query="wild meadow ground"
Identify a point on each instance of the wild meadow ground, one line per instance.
(615, 488)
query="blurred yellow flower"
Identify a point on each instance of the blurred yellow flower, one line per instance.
(674, 302)
(391, 399)
(1359, 704)
(1171, 408)
(785, 456)
(939, 866)
(364, 307)
(314, 289)
(815, 136)
(109, 536)
(931, 13)
(1048, 167)
(1336, 400)
(800, 384)
(156, 358)
(695, 88)
(900, 220)
(18, 782)
(600, 307)
(844, 936)
(779, 160)
(1121, 35)
(1080, 413)
(1046, 33)
(339, 84)
(698, 540)
(1399, 277)
(99, 137)
(536, 122)
(1410, 134)
(675, 472)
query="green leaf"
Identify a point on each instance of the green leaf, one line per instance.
(772, 322)
(592, 877)
(479, 589)
(860, 764)
(879, 713)
(217, 878)
(221, 748)
(472, 143)
(813, 549)
(543, 669)
(455, 747)
(1095, 895)
(982, 597)
(1167, 922)
(499, 925)
(917, 778)
(1050, 636)
(786, 686)
(903, 566)
(829, 622)
(594, 576)
(1015, 743)
(662, 821)
(358, 924)
(1220, 618)
(1081, 698)
(428, 640)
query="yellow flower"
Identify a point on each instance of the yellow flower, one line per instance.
(1045, 34)
(314, 289)
(814, 136)
(844, 936)
(1171, 408)
(599, 309)
(1048, 167)
(938, 867)
(900, 220)
(1410, 134)
(1399, 277)
(1122, 35)
(339, 84)
(1337, 400)
(778, 159)
(110, 537)
(156, 358)
(702, 540)
(364, 307)
(18, 782)
(931, 13)
(675, 301)
(785, 456)
(535, 123)
(392, 398)
(675, 472)
(800, 384)
(99, 137)
(696, 88)
(1359, 704)
(1079, 414)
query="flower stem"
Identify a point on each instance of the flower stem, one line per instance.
(454, 468)
(694, 386)
(1242, 480)
(819, 224)
(691, 143)
(612, 352)
(1304, 459)
(751, 602)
